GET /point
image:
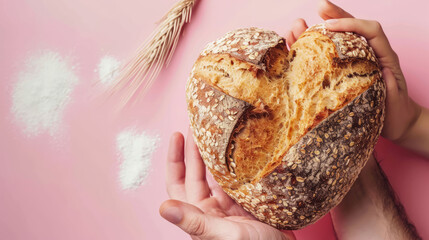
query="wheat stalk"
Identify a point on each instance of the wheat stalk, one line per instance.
(139, 73)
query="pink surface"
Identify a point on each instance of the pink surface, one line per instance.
(68, 188)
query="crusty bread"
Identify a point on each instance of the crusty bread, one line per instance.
(286, 133)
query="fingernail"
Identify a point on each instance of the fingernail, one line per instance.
(172, 214)
(331, 21)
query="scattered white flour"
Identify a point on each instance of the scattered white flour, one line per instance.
(108, 70)
(42, 92)
(135, 152)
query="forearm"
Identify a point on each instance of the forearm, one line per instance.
(417, 137)
(371, 210)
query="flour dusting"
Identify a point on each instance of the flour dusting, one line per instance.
(108, 70)
(135, 152)
(42, 92)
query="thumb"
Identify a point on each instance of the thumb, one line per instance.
(391, 85)
(196, 223)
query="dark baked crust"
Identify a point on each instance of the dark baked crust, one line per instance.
(320, 168)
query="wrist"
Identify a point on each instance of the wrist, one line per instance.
(415, 114)
(417, 136)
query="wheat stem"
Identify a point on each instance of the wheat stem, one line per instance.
(137, 75)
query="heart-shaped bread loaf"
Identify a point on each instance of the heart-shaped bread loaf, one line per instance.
(286, 133)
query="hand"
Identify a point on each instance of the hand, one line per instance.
(201, 208)
(370, 209)
(401, 111)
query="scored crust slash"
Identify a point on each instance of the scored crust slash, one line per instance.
(286, 133)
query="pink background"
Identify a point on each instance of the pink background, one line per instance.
(68, 188)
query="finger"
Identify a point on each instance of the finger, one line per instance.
(391, 84)
(196, 184)
(289, 234)
(196, 223)
(225, 202)
(392, 93)
(290, 39)
(299, 26)
(371, 30)
(175, 177)
(328, 10)
(215, 189)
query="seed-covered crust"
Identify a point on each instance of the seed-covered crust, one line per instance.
(247, 44)
(213, 116)
(318, 170)
(349, 45)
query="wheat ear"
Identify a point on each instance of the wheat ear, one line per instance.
(138, 74)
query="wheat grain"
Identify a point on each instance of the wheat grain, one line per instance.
(138, 74)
